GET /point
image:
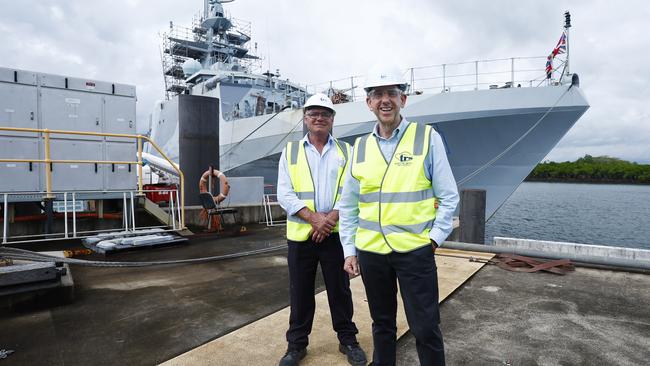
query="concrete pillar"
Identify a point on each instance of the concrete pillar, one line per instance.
(472, 216)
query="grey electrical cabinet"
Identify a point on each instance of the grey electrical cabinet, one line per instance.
(55, 102)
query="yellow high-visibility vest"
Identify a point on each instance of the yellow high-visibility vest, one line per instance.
(302, 183)
(396, 202)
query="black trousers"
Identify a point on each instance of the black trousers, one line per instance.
(303, 259)
(418, 282)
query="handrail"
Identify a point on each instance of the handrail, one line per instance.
(520, 71)
(48, 161)
(62, 195)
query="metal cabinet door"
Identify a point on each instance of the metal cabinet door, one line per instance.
(19, 177)
(18, 108)
(121, 176)
(76, 176)
(120, 116)
(71, 110)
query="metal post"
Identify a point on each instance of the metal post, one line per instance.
(472, 216)
(4, 223)
(139, 165)
(171, 209)
(567, 25)
(566, 66)
(476, 74)
(48, 165)
(444, 72)
(125, 215)
(268, 205)
(266, 212)
(352, 86)
(74, 214)
(512, 71)
(132, 212)
(178, 208)
(412, 81)
(65, 214)
(211, 169)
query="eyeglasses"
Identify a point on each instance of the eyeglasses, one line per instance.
(379, 93)
(324, 114)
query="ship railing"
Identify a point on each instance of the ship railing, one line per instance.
(459, 76)
(68, 204)
(48, 161)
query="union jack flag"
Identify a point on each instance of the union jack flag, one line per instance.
(559, 49)
(561, 45)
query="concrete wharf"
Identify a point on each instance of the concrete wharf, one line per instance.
(190, 314)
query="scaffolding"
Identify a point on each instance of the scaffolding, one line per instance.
(202, 44)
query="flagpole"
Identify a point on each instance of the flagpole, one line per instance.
(567, 25)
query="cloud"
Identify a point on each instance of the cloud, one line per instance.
(317, 41)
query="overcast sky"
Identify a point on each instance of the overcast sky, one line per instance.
(315, 41)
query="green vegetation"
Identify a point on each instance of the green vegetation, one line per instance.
(592, 169)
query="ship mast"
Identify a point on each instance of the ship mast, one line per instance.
(567, 25)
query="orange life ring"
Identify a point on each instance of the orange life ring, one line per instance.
(225, 186)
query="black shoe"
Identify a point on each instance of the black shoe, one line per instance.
(356, 356)
(293, 357)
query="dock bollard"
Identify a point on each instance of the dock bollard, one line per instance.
(472, 216)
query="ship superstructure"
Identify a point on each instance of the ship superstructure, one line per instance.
(215, 51)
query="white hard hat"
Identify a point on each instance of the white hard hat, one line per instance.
(319, 100)
(385, 78)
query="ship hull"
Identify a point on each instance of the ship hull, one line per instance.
(493, 138)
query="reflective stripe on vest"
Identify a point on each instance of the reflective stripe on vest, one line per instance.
(396, 202)
(302, 183)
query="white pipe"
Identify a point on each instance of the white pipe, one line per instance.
(159, 163)
(576, 257)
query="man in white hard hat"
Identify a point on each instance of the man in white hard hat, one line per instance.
(391, 222)
(310, 176)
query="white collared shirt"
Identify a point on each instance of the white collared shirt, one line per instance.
(324, 168)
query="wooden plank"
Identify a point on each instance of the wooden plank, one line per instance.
(263, 342)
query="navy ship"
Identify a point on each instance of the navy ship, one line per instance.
(498, 118)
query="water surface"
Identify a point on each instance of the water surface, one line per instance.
(603, 214)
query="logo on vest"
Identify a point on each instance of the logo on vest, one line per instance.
(404, 158)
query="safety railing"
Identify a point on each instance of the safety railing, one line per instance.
(459, 76)
(270, 198)
(48, 161)
(70, 213)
